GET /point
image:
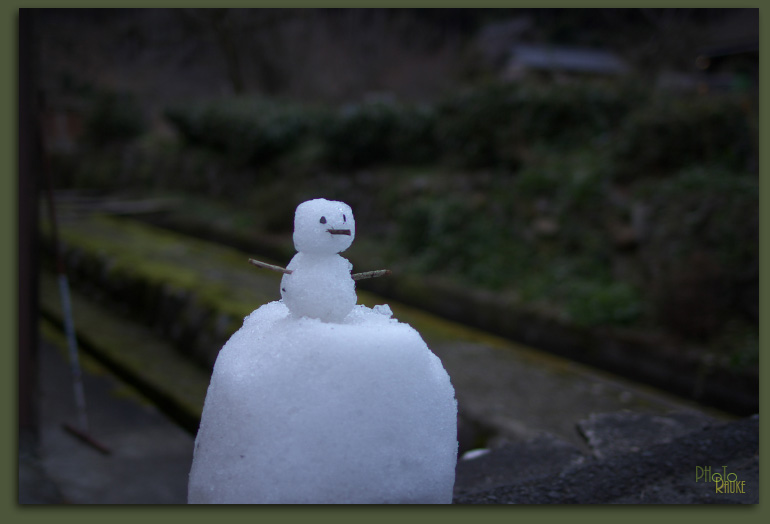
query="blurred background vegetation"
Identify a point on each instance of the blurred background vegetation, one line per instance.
(599, 166)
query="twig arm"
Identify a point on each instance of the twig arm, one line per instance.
(356, 276)
(371, 274)
(270, 266)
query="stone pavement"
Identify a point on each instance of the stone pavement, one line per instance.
(149, 457)
(634, 459)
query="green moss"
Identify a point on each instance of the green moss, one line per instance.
(220, 277)
(133, 349)
(53, 334)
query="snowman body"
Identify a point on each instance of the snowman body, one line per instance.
(318, 400)
(320, 286)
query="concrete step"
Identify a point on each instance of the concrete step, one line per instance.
(173, 382)
(148, 455)
(634, 459)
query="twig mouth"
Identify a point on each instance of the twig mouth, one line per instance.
(339, 231)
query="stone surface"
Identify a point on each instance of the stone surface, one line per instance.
(515, 463)
(662, 472)
(150, 456)
(35, 487)
(614, 433)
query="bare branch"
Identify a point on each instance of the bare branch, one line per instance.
(371, 274)
(355, 276)
(270, 266)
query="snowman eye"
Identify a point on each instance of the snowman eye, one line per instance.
(323, 220)
(344, 219)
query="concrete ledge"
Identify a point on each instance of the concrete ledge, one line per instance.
(659, 468)
(174, 383)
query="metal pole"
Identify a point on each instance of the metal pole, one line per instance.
(64, 292)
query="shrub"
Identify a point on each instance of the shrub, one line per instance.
(114, 117)
(248, 131)
(575, 113)
(672, 133)
(703, 253)
(380, 132)
(360, 134)
(477, 128)
(414, 139)
(591, 303)
(491, 126)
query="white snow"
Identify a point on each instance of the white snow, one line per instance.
(474, 453)
(313, 220)
(304, 409)
(320, 286)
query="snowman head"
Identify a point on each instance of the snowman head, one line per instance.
(323, 227)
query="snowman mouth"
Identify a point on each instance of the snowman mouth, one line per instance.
(339, 231)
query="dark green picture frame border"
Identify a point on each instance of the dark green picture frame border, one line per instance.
(8, 327)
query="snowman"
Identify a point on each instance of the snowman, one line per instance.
(318, 400)
(320, 283)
